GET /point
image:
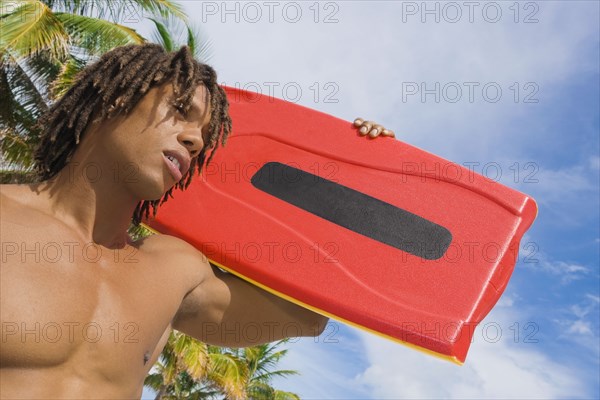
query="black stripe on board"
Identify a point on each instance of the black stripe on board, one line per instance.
(354, 210)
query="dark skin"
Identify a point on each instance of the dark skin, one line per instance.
(86, 311)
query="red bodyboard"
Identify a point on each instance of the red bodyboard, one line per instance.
(335, 268)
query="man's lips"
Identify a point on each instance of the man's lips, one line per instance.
(177, 164)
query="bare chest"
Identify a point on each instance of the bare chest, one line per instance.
(64, 302)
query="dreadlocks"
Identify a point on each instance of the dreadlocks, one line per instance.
(114, 85)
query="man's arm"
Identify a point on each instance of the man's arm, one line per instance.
(225, 310)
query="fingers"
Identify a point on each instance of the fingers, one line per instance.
(375, 130)
(362, 125)
(358, 122)
(366, 128)
(388, 133)
(371, 128)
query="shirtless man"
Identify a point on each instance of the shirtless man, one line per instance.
(85, 311)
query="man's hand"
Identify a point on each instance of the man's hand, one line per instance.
(371, 128)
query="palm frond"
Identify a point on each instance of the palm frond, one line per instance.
(153, 381)
(138, 232)
(15, 176)
(31, 28)
(229, 373)
(97, 35)
(16, 150)
(266, 359)
(20, 105)
(66, 77)
(267, 376)
(261, 391)
(199, 43)
(172, 33)
(119, 11)
(162, 35)
(281, 395)
(164, 8)
(192, 355)
(24, 79)
(42, 68)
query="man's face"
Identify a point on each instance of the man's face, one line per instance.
(152, 146)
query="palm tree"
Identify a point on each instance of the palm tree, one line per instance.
(190, 369)
(261, 361)
(184, 363)
(43, 44)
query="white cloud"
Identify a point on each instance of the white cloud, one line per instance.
(583, 316)
(508, 368)
(593, 298)
(569, 272)
(580, 325)
(577, 182)
(594, 163)
(538, 260)
(327, 366)
(508, 300)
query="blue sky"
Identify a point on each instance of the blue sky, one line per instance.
(366, 58)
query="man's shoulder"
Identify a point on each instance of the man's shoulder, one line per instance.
(13, 193)
(161, 245)
(178, 257)
(21, 201)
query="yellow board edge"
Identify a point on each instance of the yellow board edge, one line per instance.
(151, 229)
(412, 346)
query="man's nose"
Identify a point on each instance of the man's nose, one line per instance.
(192, 141)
